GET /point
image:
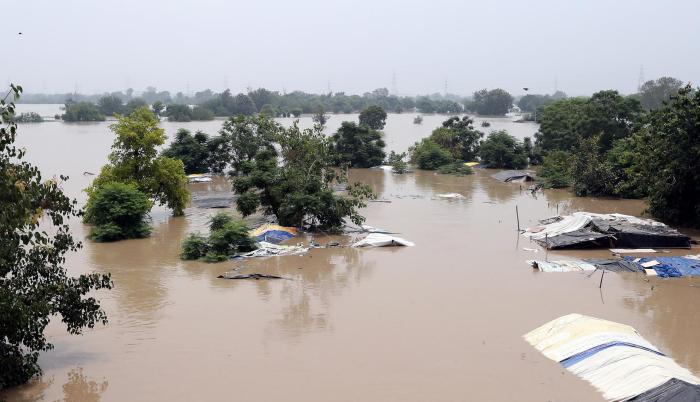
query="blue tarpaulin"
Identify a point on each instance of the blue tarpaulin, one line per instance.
(671, 267)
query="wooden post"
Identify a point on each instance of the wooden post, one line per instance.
(600, 285)
(546, 246)
(517, 216)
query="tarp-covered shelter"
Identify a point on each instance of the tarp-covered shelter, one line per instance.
(614, 358)
(273, 233)
(562, 265)
(668, 267)
(589, 230)
(514, 175)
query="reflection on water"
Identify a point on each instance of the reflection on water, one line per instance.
(439, 321)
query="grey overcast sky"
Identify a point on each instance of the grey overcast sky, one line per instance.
(352, 46)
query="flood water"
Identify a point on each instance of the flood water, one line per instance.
(441, 321)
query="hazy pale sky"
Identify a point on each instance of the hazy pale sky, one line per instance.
(352, 46)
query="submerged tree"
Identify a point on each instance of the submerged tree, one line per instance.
(358, 146)
(192, 150)
(134, 160)
(34, 284)
(373, 117)
(292, 177)
(502, 150)
(496, 102)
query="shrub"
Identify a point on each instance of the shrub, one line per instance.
(501, 150)
(117, 211)
(358, 145)
(429, 155)
(555, 169)
(398, 165)
(455, 168)
(227, 237)
(194, 247)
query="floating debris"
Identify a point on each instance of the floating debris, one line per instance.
(266, 249)
(452, 196)
(382, 240)
(235, 275)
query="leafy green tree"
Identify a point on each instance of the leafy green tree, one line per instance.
(501, 150)
(201, 113)
(358, 145)
(373, 117)
(293, 177)
(243, 104)
(425, 105)
(180, 113)
(240, 139)
(118, 211)
(268, 110)
(134, 105)
(428, 155)
(262, 97)
(320, 117)
(555, 169)
(82, 111)
(654, 93)
(590, 176)
(533, 102)
(397, 162)
(496, 102)
(110, 105)
(463, 138)
(158, 107)
(134, 160)
(607, 115)
(192, 150)
(34, 284)
(226, 238)
(669, 151)
(296, 112)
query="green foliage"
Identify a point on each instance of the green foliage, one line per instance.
(607, 115)
(194, 247)
(240, 139)
(358, 146)
(320, 117)
(269, 110)
(183, 113)
(81, 111)
(397, 162)
(459, 137)
(110, 105)
(555, 169)
(590, 176)
(531, 103)
(34, 285)
(456, 168)
(501, 150)
(134, 160)
(226, 238)
(654, 93)
(295, 184)
(30, 117)
(134, 105)
(192, 150)
(428, 155)
(158, 107)
(669, 151)
(117, 211)
(496, 102)
(373, 117)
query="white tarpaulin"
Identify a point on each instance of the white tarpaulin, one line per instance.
(561, 266)
(382, 240)
(613, 357)
(453, 196)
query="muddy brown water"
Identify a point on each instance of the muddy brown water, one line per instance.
(441, 321)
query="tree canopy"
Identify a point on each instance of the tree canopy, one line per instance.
(654, 93)
(373, 117)
(291, 176)
(496, 102)
(358, 146)
(502, 150)
(81, 111)
(192, 150)
(134, 160)
(34, 284)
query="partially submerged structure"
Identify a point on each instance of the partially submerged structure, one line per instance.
(589, 230)
(665, 267)
(272, 233)
(508, 176)
(615, 359)
(382, 240)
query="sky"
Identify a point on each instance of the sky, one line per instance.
(351, 46)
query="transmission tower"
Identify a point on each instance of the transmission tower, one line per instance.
(641, 78)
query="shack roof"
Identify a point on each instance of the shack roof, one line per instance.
(514, 175)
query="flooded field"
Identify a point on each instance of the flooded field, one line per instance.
(442, 321)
